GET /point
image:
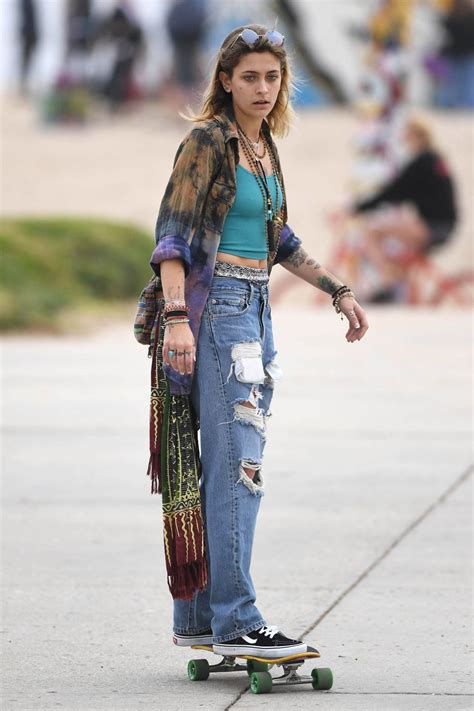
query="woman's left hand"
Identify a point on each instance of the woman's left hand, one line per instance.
(355, 314)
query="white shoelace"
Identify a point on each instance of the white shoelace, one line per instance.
(269, 630)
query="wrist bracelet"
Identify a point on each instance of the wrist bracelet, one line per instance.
(350, 294)
(170, 305)
(177, 312)
(176, 320)
(339, 289)
(341, 295)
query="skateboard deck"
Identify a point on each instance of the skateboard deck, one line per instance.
(261, 681)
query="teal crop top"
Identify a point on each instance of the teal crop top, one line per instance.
(244, 232)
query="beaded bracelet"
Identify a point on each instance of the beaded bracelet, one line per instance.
(338, 290)
(342, 296)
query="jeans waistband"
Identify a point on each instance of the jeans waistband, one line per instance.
(239, 271)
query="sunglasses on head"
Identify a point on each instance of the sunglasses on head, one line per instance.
(250, 37)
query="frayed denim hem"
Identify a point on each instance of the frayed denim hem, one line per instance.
(239, 633)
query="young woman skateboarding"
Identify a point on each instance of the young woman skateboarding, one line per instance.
(221, 227)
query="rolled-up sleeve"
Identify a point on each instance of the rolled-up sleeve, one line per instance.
(172, 247)
(289, 242)
(183, 201)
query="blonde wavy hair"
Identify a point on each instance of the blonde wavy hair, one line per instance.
(422, 127)
(215, 98)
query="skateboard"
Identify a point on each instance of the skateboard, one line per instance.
(261, 681)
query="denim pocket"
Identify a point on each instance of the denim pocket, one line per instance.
(227, 301)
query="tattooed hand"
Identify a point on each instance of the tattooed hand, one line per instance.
(308, 269)
(179, 339)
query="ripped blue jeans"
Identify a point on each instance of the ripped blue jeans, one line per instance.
(235, 363)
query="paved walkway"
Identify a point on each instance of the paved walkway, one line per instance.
(363, 539)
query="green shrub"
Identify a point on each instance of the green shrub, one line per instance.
(52, 265)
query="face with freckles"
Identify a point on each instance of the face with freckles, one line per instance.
(256, 78)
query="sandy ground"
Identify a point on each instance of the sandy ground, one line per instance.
(119, 168)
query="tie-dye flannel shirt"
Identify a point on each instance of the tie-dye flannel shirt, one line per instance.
(192, 213)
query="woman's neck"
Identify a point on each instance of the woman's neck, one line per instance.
(249, 125)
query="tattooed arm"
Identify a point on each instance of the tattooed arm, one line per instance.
(172, 279)
(178, 337)
(308, 269)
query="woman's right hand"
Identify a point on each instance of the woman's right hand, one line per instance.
(179, 338)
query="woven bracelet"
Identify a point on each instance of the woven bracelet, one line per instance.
(344, 286)
(171, 321)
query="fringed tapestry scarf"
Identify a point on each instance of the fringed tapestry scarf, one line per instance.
(175, 469)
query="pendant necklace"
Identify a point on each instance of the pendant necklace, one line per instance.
(272, 217)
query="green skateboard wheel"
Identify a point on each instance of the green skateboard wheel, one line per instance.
(198, 669)
(254, 666)
(322, 679)
(260, 682)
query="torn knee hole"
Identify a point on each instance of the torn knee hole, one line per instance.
(251, 475)
(249, 414)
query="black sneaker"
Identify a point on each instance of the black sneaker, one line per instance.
(266, 642)
(187, 640)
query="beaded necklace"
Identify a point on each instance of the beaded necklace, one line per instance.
(272, 217)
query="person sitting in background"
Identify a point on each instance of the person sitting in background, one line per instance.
(413, 213)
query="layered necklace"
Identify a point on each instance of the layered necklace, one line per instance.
(273, 217)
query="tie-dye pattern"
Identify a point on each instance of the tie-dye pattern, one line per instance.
(192, 213)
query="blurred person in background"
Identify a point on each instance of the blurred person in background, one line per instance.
(414, 213)
(28, 30)
(79, 34)
(381, 94)
(222, 224)
(457, 86)
(390, 24)
(186, 25)
(122, 30)
(289, 11)
(79, 25)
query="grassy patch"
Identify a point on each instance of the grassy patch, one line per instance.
(52, 266)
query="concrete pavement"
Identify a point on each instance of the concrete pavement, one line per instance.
(363, 540)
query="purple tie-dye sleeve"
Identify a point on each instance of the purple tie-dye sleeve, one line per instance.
(183, 201)
(289, 242)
